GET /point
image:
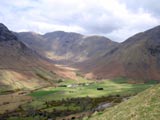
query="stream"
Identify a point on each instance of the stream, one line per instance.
(105, 105)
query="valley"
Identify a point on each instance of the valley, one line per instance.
(74, 99)
(70, 76)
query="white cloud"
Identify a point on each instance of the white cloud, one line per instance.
(116, 19)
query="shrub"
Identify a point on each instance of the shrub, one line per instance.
(99, 88)
(62, 86)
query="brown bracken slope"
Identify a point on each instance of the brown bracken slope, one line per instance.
(21, 67)
(138, 58)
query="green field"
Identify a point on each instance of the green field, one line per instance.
(89, 88)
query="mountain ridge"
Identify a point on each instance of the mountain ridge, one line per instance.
(67, 47)
(97, 57)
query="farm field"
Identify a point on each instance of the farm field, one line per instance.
(84, 88)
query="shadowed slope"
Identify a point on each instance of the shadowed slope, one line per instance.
(67, 48)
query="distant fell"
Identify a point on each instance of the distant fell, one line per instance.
(138, 57)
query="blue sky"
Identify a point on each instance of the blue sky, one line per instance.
(115, 19)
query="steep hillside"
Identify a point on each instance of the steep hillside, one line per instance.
(21, 67)
(67, 48)
(144, 106)
(137, 57)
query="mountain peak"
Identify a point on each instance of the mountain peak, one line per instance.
(62, 33)
(2, 26)
(6, 34)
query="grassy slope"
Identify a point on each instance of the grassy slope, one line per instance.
(144, 106)
(32, 79)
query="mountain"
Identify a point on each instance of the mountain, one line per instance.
(144, 106)
(67, 47)
(138, 58)
(98, 57)
(23, 68)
